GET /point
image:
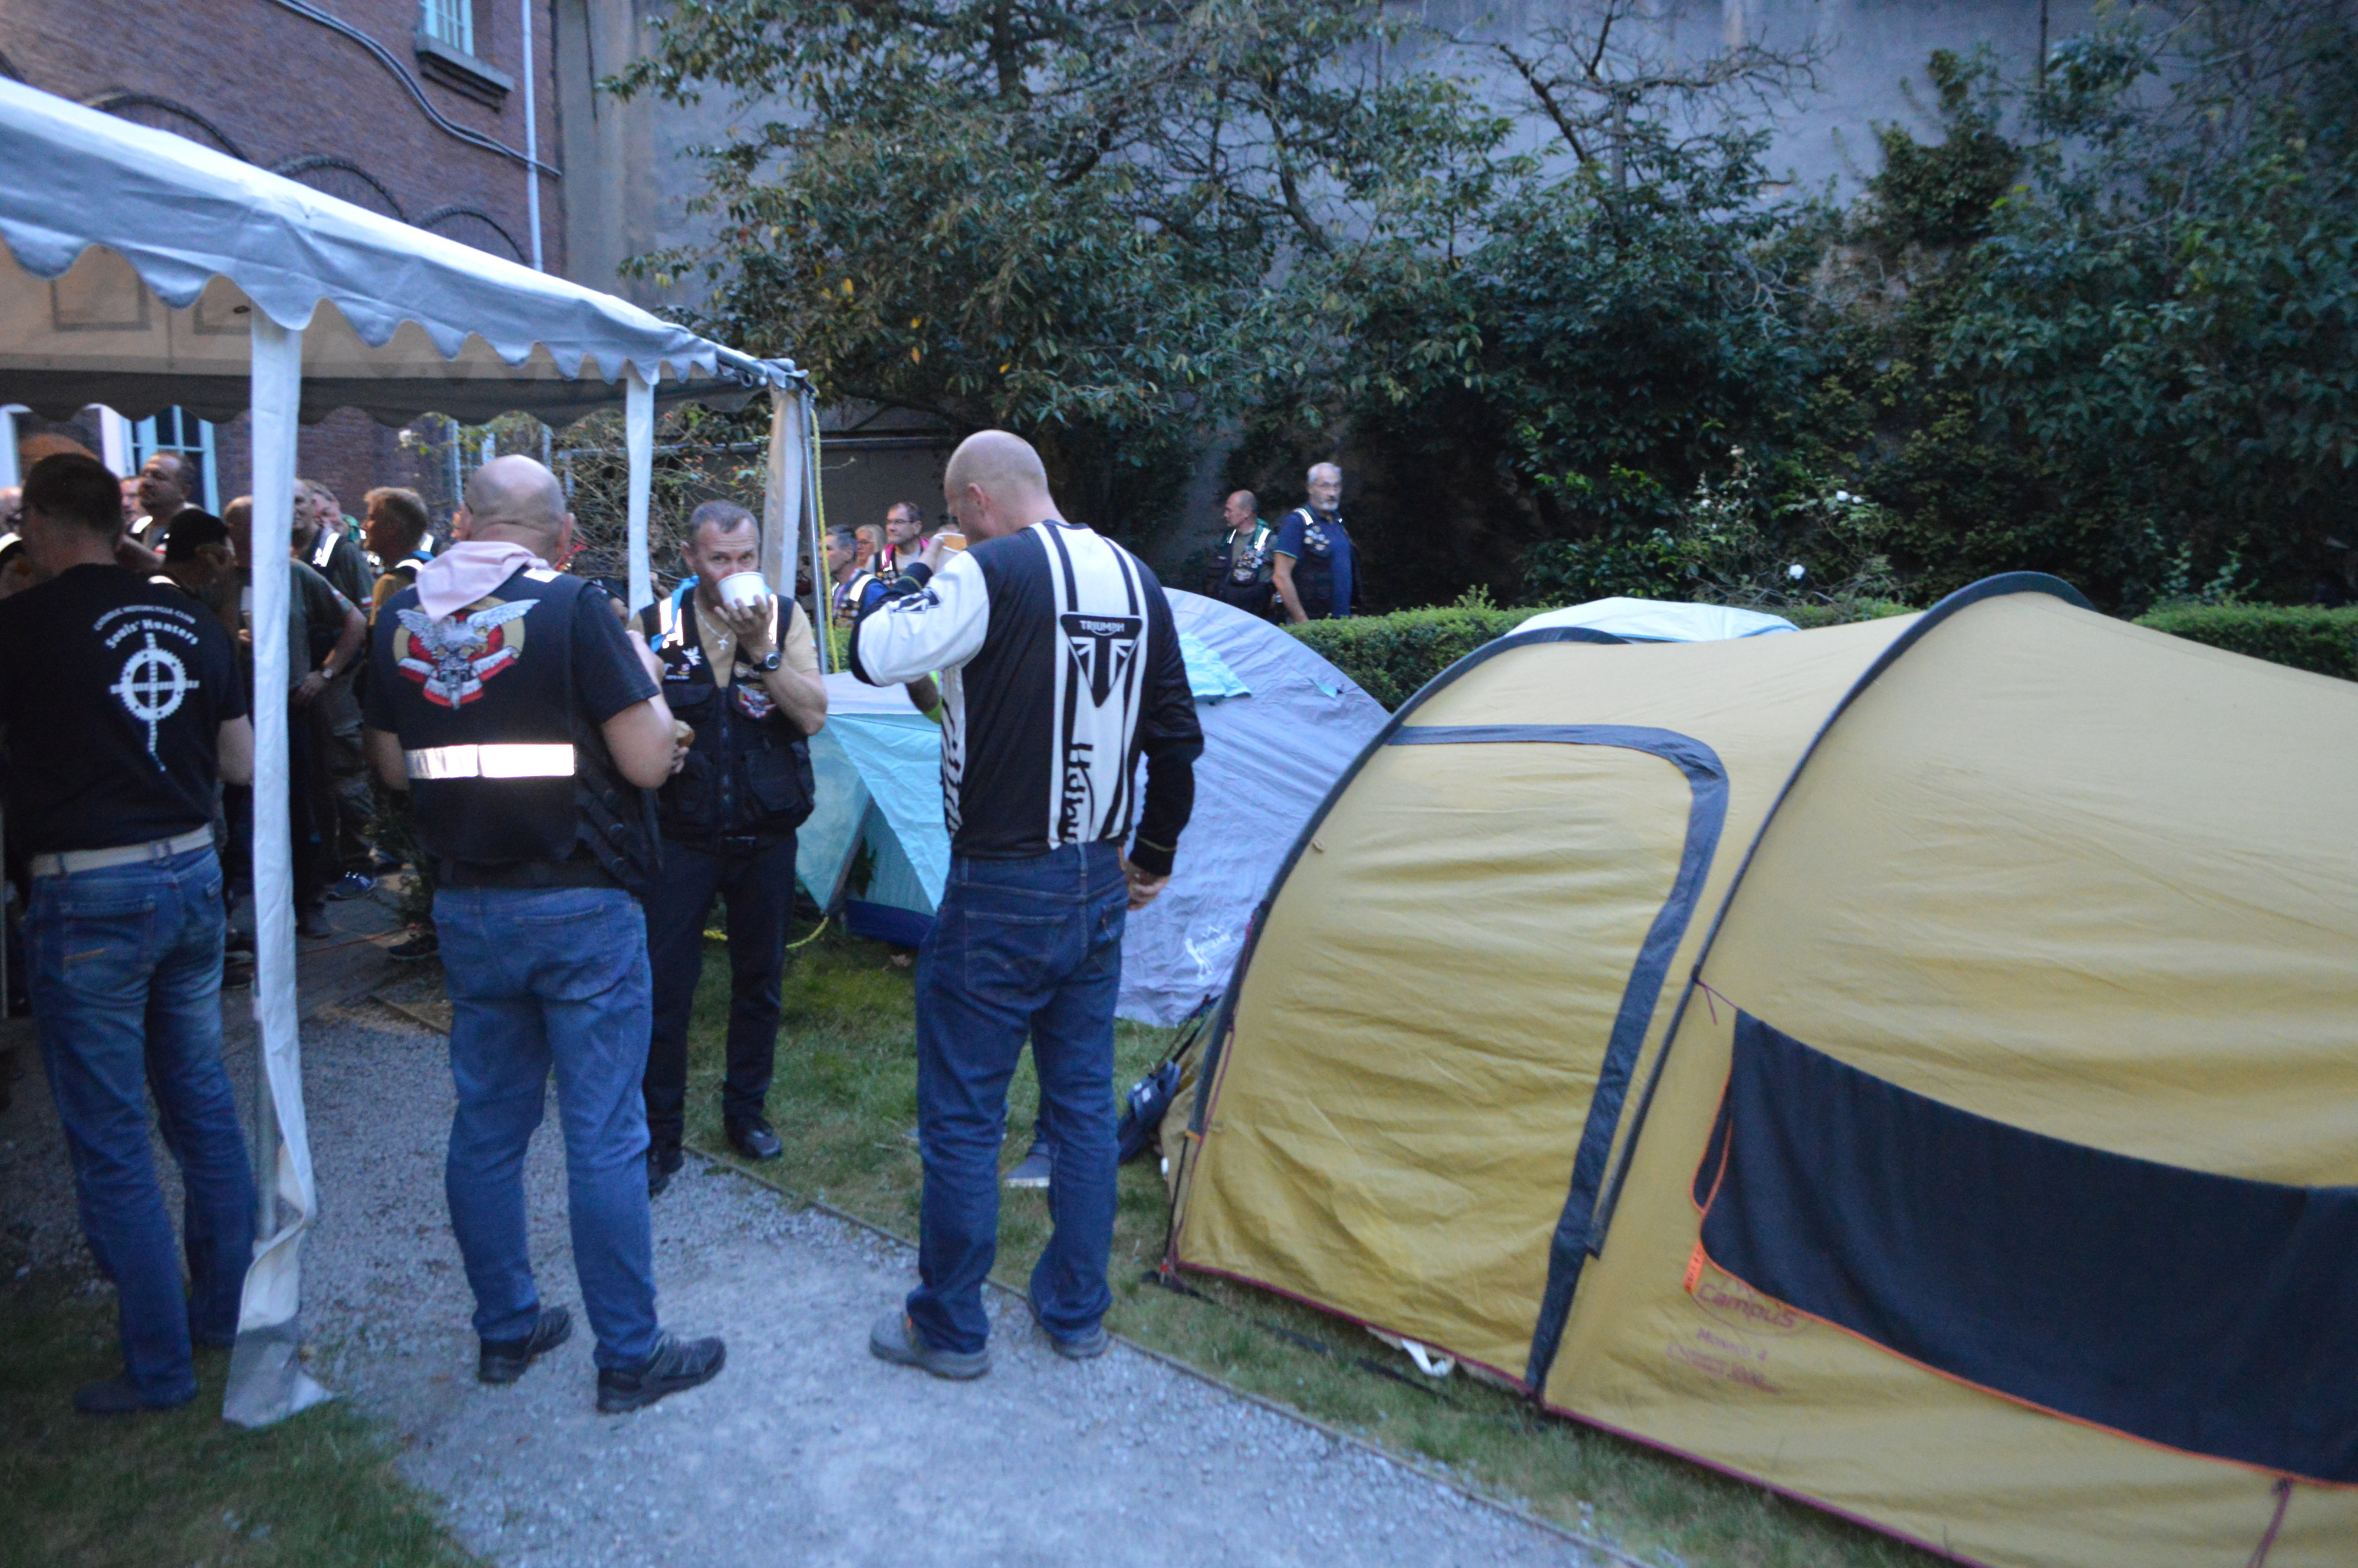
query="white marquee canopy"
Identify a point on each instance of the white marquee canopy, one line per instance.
(141, 270)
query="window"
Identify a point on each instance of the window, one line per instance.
(174, 430)
(452, 21)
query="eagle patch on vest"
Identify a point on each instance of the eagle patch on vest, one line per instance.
(451, 658)
(752, 701)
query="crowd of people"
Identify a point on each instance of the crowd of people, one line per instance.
(583, 784)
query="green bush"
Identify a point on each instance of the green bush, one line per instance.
(1391, 656)
(2307, 638)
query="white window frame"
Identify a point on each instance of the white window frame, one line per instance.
(145, 442)
(452, 21)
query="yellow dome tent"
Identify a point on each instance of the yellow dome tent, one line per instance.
(1997, 1185)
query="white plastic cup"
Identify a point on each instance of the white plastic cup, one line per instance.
(739, 590)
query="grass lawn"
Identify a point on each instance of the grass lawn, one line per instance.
(182, 1487)
(844, 1099)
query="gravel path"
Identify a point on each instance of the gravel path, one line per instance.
(806, 1450)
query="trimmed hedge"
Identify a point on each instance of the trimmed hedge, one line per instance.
(2304, 636)
(1391, 656)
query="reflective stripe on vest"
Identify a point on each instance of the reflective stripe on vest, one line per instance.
(494, 761)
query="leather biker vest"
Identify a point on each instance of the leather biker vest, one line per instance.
(504, 767)
(748, 774)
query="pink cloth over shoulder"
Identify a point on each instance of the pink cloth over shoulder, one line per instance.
(466, 572)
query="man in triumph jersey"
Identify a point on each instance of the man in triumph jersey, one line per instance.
(1060, 669)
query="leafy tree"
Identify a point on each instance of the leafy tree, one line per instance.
(1622, 316)
(2136, 367)
(1075, 218)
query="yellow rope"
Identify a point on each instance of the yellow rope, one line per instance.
(713, 936)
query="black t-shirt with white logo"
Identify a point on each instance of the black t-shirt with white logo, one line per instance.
(112, 691)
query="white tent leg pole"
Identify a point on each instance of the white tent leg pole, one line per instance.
(8, 445)
(267, 1382)
(639, 440)
(782, 494)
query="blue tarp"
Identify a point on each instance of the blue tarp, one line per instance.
(1268, 759)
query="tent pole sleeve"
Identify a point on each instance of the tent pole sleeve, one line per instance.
(639, 440)
(782, 494)
(816, 520)
(8, 446)
(265, 1380)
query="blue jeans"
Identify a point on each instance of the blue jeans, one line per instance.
(541, 978)
(126, 998)
(1030, 947)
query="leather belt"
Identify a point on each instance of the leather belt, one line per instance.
(512, 761)
(66, 862)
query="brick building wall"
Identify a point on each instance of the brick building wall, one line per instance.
(265, 82)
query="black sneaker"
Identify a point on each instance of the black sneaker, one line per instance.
(504, 1360)
(420, 945)
(754, 1139)
(664, 1162)
(312, 924)
(677, 1364)
(352, 884)
(119, 1396)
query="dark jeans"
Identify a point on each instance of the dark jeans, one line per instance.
(340, 801)
(759, 885)
(545, 978)
(310, 854)
(127, 998)
(1018, 947)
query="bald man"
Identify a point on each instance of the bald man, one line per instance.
(164, 486)
(1060, 670)
(529, 727)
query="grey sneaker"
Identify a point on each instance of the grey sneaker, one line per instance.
(1073, 1347)
(1036, 1167)
(895, 1339)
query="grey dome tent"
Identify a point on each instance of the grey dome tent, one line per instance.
(1281, 725)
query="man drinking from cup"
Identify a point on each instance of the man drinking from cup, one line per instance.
(741, 669)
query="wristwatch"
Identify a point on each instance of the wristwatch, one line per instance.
(769, 662)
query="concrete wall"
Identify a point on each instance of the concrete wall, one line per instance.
(1872, 73)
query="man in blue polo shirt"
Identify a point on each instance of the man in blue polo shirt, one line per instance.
(1312, 559)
